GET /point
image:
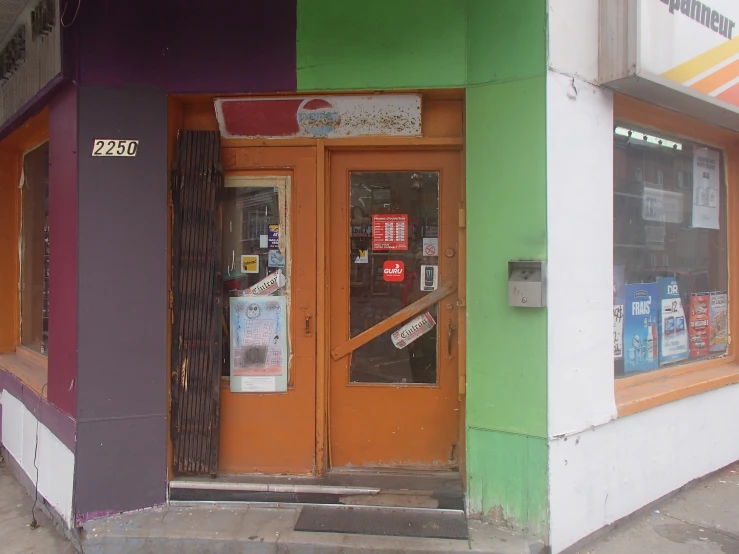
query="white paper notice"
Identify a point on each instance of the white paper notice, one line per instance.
(254, 384)
(706, 188)
(263, 241)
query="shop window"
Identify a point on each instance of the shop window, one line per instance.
(669, 252)
(35, 251)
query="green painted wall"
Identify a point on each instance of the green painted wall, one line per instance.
(508, 479)
(497, 49)
(506, 220)
(381, 44)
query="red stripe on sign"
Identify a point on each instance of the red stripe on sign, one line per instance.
(730, 95)
(261, 118)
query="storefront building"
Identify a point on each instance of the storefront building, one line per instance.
(313, 239)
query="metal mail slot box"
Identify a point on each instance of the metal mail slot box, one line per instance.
(527, 284)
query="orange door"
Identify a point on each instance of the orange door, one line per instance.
(269, 220)
(393, 398)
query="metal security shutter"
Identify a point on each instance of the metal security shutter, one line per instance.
(197, 192)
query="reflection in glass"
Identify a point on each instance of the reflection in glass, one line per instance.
(372, 297)
(255, 244)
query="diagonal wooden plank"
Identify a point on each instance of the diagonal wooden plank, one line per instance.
(396, 319)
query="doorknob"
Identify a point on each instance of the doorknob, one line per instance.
(450, 332)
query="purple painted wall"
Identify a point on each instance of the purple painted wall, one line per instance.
(55, 420)
(196, 46)
(63, 250)
(121, 458)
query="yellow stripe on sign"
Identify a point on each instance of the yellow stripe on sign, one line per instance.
(703, 62)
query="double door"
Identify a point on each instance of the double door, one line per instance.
(387, 327)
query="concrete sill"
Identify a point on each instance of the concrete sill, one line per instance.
(642, 392)
(28, 366)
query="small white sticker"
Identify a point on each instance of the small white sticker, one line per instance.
(363, 257)
(115, 147)
(429, 277)
(263, 241)
(430, 246)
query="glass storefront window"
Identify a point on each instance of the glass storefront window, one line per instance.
(669, 251)
(35, 251)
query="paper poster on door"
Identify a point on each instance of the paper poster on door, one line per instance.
(430, 246)
(258, 336)
(673, 329)
(641, 344)
(719, 327)
(699, 323)
(250, 263)
(412, 330)
(706, 192)
(429, 277)
(389, 231)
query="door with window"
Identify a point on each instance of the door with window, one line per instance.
(394, 272)
(268, 258)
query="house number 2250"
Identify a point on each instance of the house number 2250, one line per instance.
(111, 147)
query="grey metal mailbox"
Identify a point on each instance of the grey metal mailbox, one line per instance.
(527, 283)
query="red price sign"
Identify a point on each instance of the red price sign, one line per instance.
(389, 232)
(393, 271)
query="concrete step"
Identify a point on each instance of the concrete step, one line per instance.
(239, 528)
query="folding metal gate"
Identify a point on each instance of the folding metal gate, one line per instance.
(197, 192)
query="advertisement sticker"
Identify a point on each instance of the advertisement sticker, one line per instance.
(673, 329)
(362, 257)
(275, 258)
(393, 271)
(389, 231)
(271, 283)
(429, 277)
(618, 312)
(250, 263)
(412, 330)
(699, 324)
(719, 327)
(273, 236)
(641, 319)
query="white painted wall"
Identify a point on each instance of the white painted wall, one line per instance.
(601, 475)
(580, 254)
(601, 468)
(54, 460)
(573, 38)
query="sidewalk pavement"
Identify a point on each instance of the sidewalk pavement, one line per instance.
(703, 519)
(16, 537)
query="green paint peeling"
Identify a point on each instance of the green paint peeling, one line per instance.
(508, 479)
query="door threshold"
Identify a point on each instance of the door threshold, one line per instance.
(437, 490)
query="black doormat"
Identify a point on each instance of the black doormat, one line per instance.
(431, 524)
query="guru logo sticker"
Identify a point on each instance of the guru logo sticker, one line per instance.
(393, 271)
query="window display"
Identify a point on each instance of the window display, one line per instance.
(670, 265)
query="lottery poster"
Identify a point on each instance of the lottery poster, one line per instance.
(259, 353)
(641, 320)
(700, 303)
(719, 327)
(673, 344)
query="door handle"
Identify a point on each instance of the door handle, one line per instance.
(307, 325)
(450, 332)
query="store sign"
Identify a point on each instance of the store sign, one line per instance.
(397, 115)
(652, 48)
